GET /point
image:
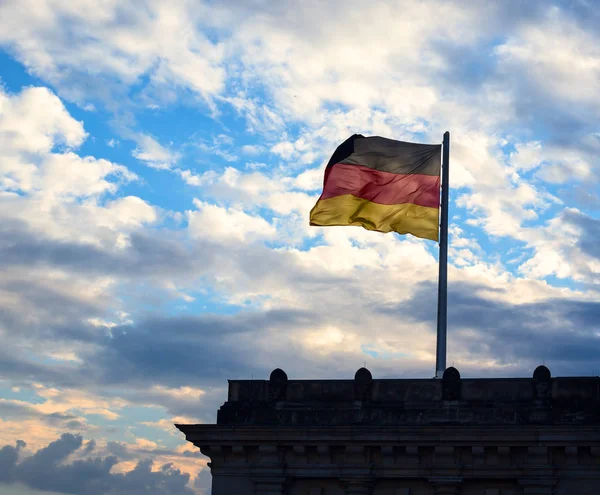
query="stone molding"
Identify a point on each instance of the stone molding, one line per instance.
(397, 458)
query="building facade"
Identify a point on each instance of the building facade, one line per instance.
(451, 436)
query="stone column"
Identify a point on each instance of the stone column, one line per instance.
(357, 486)
(446, 485)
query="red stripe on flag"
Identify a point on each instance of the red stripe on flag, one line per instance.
(381, 187)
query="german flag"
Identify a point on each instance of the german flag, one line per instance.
(383, 185)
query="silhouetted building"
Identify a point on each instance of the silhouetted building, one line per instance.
(538, 435)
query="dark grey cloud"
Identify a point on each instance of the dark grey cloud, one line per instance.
(586, 197)
(12, 410)
(17, 365)
(468, 67)
(122, 451)
(119, 449)
(45, 301)
(536, 109)
(148, 254)
(50, 469)
(561, 332)
(203, 482)
(539, 111)
(200, 351)
(204, 350)
(75, 426)
(583, 12)
(9, 456)
(89, 447)
(589, 241)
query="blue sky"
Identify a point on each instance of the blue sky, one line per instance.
(157, 167)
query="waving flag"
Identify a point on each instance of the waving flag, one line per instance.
(383, 185)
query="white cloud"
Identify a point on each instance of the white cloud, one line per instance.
(64, 400)
(558, 249)
(253, 190)
(554, 164)
(60, 193)
(226, 224)
(256, 189)
(114, 46)
(36, 121)
(252, 149)
(259, 117)
(285, 149)
(310, 180)
(193, 179)
(183, 393)
(150, 151)
(558, 56)
(220, 145)
(125, 213)
(309, 63)
(500, 203)
(329, 339)
(70, 175)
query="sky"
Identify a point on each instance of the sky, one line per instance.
(158, 162)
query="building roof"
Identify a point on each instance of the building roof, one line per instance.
(540, 399)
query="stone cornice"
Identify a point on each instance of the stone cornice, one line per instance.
(447, 434)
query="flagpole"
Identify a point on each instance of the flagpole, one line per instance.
(440, 360)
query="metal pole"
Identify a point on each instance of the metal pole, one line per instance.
(440, 360)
